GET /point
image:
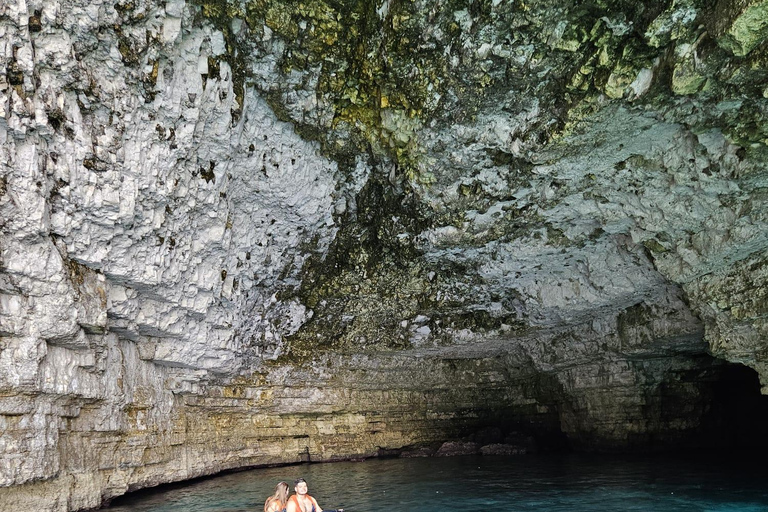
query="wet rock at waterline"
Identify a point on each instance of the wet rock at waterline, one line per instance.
(252, 233)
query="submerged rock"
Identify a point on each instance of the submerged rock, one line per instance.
(503, 449)
(453, 448)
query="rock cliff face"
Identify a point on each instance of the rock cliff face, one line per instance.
(249, 233)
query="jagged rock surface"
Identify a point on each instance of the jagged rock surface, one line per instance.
(251, 233)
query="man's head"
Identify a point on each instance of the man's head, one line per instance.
(300, 486)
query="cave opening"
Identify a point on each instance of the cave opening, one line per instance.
(736, 418)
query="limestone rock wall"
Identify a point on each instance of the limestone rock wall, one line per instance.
(144, 208)
(242, 233)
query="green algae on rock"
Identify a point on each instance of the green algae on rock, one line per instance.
(749, 28)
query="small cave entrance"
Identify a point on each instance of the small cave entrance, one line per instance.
(737, 415)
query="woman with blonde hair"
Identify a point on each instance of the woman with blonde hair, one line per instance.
(276, 502)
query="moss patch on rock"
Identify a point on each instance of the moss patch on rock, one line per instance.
(748, 30)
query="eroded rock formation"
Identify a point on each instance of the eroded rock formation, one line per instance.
(251, 233)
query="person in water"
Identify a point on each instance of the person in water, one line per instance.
(277, 502)
(303, 502)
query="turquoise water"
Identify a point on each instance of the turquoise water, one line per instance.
(551, 483)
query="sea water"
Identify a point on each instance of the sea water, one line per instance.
(546, 483)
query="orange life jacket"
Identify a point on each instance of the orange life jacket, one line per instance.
(298, 505)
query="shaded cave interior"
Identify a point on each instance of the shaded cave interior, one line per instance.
(719, 408)
(737, 416)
